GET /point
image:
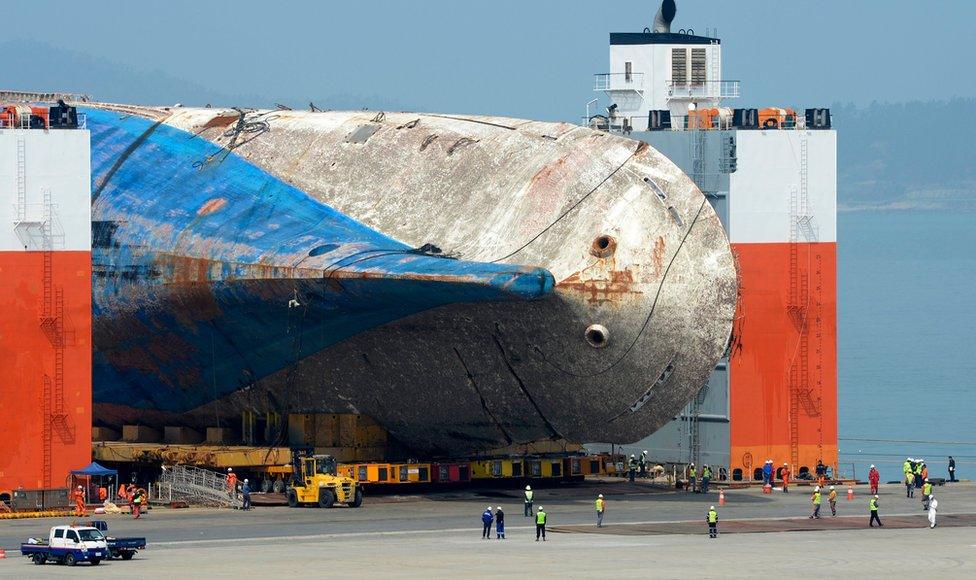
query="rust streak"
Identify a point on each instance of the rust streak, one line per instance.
(598, 291)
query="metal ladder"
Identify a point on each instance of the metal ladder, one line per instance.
(21, 181)
(802, 230)
(197, 486)
(715, 74)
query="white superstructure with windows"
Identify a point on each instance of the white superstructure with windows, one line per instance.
(663, 71)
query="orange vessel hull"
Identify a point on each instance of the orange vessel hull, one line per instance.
(768, 346)
(46, 402)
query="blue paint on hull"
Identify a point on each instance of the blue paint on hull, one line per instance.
(197, 254)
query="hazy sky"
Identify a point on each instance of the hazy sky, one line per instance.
(522, 58)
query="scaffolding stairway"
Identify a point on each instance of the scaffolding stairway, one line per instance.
(196, 486)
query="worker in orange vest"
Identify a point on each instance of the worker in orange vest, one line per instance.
(231, 483)
(79, 497)
(102, 494)
(123, 495)
(786, 477)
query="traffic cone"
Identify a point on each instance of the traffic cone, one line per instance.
(3, 554)
(850, 493)
(721, 497)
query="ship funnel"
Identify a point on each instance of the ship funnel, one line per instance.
(665, 14)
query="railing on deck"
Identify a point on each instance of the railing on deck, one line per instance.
(627, 124)
(703, 90)
(633, 81)
(39, 122)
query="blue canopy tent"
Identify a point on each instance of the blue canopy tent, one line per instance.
(94, 470)
(84, 477)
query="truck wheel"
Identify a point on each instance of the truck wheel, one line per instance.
(38, 559)
(69, 560)
(357, 499)
(292, 498)
(127, 555)
(96, 561)
(326, 497)
(278, 486)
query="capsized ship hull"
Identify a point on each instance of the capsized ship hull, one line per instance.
(288, 261)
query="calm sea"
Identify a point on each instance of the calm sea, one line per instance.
(907, 339)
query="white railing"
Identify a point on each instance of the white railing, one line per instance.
(703, 90)
(197, 486)
(618, 82)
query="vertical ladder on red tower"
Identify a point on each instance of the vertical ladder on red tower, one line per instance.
(52, 322)
(802, 230)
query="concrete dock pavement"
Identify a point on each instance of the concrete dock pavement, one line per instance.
(648, 531)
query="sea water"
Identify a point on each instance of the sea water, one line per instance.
(906, 292)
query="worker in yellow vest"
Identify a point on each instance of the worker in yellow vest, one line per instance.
(873, 506)
(816, 499)
(712, 518)
(926, 493)
(691, 478)
(832, 500)
(601, 505)
(540, 524)
(528, 501)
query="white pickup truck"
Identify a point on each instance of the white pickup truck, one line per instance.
(68, 545)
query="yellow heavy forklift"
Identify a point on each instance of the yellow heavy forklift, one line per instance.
(315, 482)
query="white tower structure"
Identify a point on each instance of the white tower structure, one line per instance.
(770, 174)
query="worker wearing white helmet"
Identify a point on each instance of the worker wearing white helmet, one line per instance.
(528, 501)
(932, 505)
(231, 483)
(816, 499)
(874, 478)
(600, 507)
(246, 495)
(711, 517)
(832, 500)
(873, 506)
(540, 524)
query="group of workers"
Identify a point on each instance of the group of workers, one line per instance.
(498, 518)
(930, 504)
(245, 488)
(706, 478)
(129, 494)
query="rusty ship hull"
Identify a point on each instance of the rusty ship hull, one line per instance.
(468, 282)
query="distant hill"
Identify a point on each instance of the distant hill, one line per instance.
(36, 66)
(907, 155)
